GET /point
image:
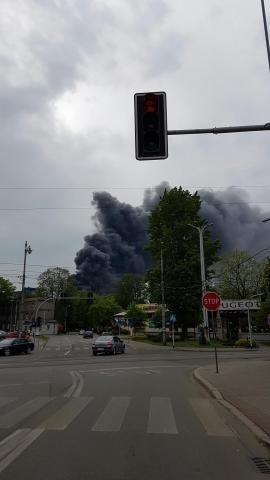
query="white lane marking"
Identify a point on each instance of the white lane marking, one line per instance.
(12, 441)
(78, 389)
(161, 417)
(6, 400)
(72, 387)
(212, 422)
(23, 411)
(127, 368)
(113, 415)
(65, 415)
(30, 437)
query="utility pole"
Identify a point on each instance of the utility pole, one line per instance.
(162, 297)
(27, 250)
(203, 277)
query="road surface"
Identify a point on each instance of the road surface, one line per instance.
(67, 415)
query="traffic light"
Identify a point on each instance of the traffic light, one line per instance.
(151, 140)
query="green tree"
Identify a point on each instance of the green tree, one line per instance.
(73, 310)
(100, 314)
(7, 290)
(136, 315)
(237, 275)
(54, 282)
(131, 288)
(262, 314)
(170, 231)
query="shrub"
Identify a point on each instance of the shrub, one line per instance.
(244, 343)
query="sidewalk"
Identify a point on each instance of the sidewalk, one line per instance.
(243, 384)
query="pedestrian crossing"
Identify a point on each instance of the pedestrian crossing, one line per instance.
(159, 414)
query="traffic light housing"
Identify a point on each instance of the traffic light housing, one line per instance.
(151, 139)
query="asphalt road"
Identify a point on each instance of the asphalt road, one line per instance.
(67, 415)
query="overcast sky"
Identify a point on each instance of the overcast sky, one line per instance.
(69, 70)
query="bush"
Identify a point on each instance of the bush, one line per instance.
(244, 343)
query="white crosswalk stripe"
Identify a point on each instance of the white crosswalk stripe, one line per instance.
(65, 415)
(113, 415)
(212, 422)
(25, 410)
(161, 417)
(160, 414)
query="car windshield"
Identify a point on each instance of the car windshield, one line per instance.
(104, 339)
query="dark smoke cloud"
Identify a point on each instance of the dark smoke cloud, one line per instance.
(235, 222)
(118, 245)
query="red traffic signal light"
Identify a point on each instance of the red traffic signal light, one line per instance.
(151, 141)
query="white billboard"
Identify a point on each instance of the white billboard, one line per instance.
(239, 305)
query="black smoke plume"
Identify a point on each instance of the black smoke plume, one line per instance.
(118, 247)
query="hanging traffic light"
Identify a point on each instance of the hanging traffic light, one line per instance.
(151, 141)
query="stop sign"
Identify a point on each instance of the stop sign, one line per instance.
(211, 301)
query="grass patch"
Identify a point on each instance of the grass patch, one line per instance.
(188, 343)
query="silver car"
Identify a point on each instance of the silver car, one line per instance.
(108, 344)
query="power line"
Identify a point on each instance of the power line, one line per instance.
(38, 265)
(146, 187)
(31, 209)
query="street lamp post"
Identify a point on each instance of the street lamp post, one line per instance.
(27, 250)
(203, 278)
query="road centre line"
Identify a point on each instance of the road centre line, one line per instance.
(128, 368)
(76, 387)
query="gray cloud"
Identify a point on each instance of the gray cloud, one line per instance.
(68, 72)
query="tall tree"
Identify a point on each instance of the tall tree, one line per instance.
(135, 315)
(100, 314)
(54, 282)
(170, 231)
(131, 288)
(7, 290)
(238, 275)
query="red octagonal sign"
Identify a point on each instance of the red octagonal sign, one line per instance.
(211, 301)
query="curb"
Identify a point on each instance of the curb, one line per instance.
(216, 394)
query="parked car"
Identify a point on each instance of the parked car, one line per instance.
(81, 332)
(88, 334)
(2, 334)
(13, 334)
(108, 344)
(12, 346)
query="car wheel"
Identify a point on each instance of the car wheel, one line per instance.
(7, 352)
(114, 351)
(94, 353)
(123, 350)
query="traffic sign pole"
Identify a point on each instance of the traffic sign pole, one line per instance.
(215, 340)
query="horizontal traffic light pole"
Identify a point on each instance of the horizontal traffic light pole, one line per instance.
(218, 130)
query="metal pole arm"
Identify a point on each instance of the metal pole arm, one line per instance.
(218, 130)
